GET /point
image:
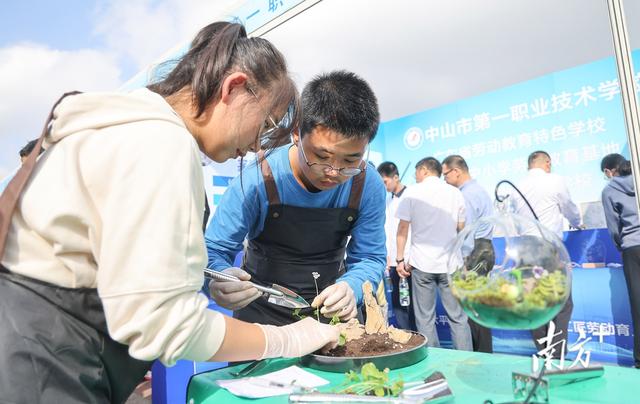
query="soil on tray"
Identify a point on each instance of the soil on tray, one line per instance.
(374, 345)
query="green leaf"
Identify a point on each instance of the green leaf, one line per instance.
(353, 376)
(370, 380)
(371, 373)
(296, 314)
(342, 339)
(396, 387)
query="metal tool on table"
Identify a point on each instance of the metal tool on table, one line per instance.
(432, 390)
(533, 388)
(276, 294)
(250, 368)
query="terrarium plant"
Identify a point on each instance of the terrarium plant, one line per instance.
(527, 276)
(376, 336)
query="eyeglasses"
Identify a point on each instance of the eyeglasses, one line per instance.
(327, 168)
(278, 132)
(447, 172)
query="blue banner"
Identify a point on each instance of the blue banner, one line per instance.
(575, 115)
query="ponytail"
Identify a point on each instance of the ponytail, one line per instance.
(617, 162)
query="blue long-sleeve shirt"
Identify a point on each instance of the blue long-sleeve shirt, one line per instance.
(243, 209)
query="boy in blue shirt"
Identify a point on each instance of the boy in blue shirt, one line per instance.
(298, 209)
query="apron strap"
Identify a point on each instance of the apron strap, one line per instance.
(269, 181)
(11, 194)
(357, 185)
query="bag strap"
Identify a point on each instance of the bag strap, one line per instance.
(11, 194)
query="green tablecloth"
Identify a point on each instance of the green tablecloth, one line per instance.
(473, 377)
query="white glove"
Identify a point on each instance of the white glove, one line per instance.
(234, 295)
(298, 339)
(337, 299)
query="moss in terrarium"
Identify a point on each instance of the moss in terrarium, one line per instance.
(510, 301)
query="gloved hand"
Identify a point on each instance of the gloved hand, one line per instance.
(298, 339)
(234, 295)
(337, 299)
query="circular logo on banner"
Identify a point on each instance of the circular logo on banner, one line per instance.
(413, 138)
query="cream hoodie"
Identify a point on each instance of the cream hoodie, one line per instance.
(116, 204)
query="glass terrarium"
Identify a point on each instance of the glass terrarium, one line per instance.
(509, 271)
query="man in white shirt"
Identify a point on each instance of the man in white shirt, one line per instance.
(435, 211)
(404, 315)
(548, 195)
(549, 198)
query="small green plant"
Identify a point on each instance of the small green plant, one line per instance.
(371, 381)
(343, 338)
(296, 314)
(334, 320)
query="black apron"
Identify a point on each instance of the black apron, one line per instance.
(294, 243)
(55, 344)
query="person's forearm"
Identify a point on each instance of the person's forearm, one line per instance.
(219, 257)
(242, 341)
(401, 239)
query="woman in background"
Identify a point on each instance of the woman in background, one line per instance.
(621, 213)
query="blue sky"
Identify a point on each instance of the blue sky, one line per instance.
(66, 25)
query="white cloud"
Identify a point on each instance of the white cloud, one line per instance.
(143, 31)
(32, 77)
(135, 33)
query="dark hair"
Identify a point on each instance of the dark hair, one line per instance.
(456, 161)
(388, 169)
(615, 161)
(342, 102)
(28, 148)
(536, 155)
(221, 48)
(430, 164)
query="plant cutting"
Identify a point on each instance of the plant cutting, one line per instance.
(371, 381)
(375, 337)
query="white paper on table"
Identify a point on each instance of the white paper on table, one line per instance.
(272, 384)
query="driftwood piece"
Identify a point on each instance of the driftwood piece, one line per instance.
(381, 297)
(399, 336)
(351, 330)
(375, 320)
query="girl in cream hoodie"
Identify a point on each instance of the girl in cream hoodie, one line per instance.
(104, 253)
